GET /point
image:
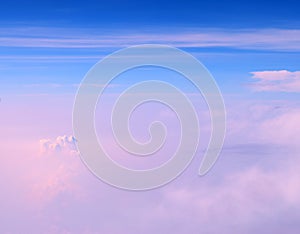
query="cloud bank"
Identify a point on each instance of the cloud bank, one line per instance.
(250, 190)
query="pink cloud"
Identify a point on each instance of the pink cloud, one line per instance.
(254, 198)
(283, 129)
(54, 193)
(277, 81)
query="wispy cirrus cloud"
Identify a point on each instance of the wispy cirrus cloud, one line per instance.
(277, 81)
(260, 39)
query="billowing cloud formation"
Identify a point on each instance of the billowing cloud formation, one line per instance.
(61, 143)
(272, 122)
(253, 188)
(277, 81)
(248, 201)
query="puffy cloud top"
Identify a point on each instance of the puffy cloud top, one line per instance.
(61, 143)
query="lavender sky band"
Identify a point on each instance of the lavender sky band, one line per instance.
(106, 70)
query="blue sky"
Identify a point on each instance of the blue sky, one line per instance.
(238, 14)
(121, 23)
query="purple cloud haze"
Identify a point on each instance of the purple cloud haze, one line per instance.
(253, 188)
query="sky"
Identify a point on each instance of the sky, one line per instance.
(251, 48)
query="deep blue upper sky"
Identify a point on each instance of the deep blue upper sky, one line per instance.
(24, 60)
(90, 13)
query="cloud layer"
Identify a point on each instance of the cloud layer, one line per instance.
(253, 188)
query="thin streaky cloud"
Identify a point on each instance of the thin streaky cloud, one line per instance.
(62, 57)
(262, 39)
